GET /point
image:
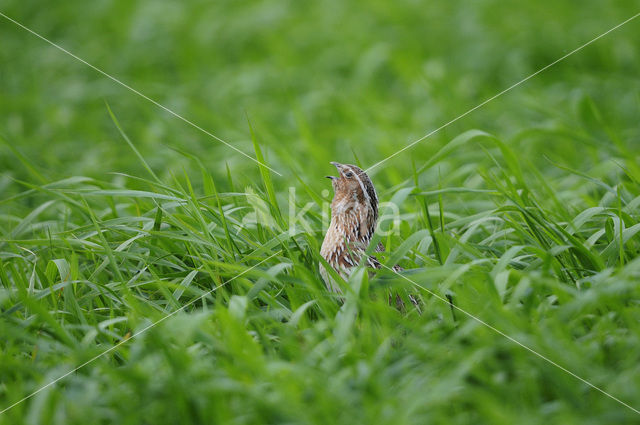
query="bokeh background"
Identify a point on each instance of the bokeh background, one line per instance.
(532, 225)
(318, 80)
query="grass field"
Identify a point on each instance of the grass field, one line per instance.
(123, 228)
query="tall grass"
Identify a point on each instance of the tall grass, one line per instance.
(525, 215)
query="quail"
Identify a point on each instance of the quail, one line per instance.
(354, 214)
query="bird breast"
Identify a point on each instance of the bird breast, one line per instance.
(346, 240)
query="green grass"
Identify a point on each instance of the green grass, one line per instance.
(114, 214)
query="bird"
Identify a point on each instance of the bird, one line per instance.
(354, 215)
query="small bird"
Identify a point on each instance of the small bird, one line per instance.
(354, 214)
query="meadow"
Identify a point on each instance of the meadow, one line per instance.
(169, 278)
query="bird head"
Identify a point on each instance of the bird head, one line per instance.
(352, 186)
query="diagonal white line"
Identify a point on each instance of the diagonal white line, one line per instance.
(134, 335)
(142, 95)
(410, 145)
(515, 341)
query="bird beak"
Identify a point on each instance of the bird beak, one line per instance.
(338, 166)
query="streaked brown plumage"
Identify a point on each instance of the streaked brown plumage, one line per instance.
(354, 213)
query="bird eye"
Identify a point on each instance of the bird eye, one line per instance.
(348, 174)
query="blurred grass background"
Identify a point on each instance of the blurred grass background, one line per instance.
(543, 245)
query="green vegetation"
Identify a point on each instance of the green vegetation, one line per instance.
(114, 214)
